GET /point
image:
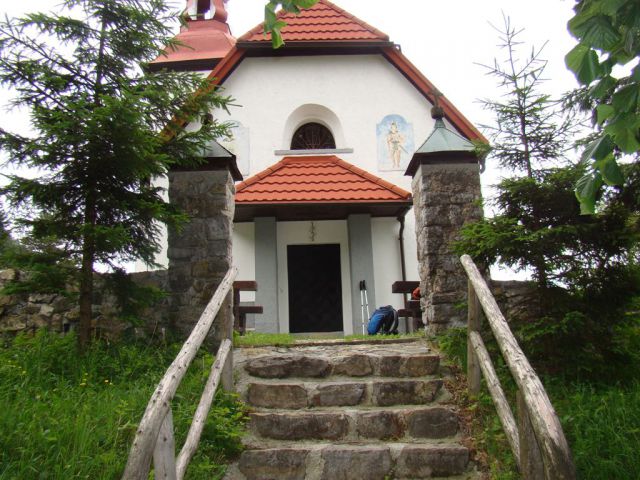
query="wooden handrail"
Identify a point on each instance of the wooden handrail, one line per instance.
(497, 394)
(158, 412)
(548, 435)
(200, 417)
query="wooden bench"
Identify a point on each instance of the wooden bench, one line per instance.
(411, 308)
(240, 312)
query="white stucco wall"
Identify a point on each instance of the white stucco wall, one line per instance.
(359, 89)
(298, 233)
(386, 260)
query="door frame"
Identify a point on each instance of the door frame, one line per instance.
(299, 233)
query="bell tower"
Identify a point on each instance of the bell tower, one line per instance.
(205, 38)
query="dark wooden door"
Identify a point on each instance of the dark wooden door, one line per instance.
(315, 288)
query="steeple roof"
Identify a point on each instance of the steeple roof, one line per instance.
(203, 42)
(442, 139)
(443, 145)
(324, 22)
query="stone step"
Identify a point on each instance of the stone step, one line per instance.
(354, 365)
(349, 462)
(355, 425)
(333, 394)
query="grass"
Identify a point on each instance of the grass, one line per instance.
(601, 422)
(67, 416)
(254, 339)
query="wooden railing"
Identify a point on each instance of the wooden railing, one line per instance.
(536, 439)
(154, 436)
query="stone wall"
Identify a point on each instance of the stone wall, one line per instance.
(518, 300)
(446, 196)
(27, 312)
(200, 254)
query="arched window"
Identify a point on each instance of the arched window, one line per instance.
(312, 136)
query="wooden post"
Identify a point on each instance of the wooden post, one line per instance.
(164, 453)
(227, 370)
(531, 464)
(473, 325)
(497, 394)
(200, 417)
(227, 373)
(237, 325)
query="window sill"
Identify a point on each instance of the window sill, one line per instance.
(320, 151)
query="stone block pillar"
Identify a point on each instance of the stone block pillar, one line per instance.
(200, 254)
(446, 195)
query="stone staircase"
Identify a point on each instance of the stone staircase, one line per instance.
(357, 411)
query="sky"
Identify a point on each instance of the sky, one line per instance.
(446, 40)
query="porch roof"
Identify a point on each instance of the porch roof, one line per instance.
(317, 188)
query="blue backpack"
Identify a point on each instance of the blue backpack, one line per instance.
(384, 320)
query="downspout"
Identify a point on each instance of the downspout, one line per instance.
(401, 240)
(402, 262)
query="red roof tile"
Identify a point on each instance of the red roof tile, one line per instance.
(199, 40)
(322, 22)
(317, 179)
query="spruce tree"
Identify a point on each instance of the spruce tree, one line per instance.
(529, 135)
(530, 131)
(104, 128)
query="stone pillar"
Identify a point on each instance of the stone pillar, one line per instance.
(266, 251)
(446, 195)
(200, 254)
(361, 263)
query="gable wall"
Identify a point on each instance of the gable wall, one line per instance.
(359, 89)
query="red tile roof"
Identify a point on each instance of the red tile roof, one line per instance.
(317, 179)
(199, 40)
(322, 22)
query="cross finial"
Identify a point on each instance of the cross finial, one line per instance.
(198, 9)
(437, 113)
(220, 13)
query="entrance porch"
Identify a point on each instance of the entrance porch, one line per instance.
(310, 230)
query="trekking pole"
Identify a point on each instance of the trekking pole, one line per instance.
(362, 307)
(366, 297)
